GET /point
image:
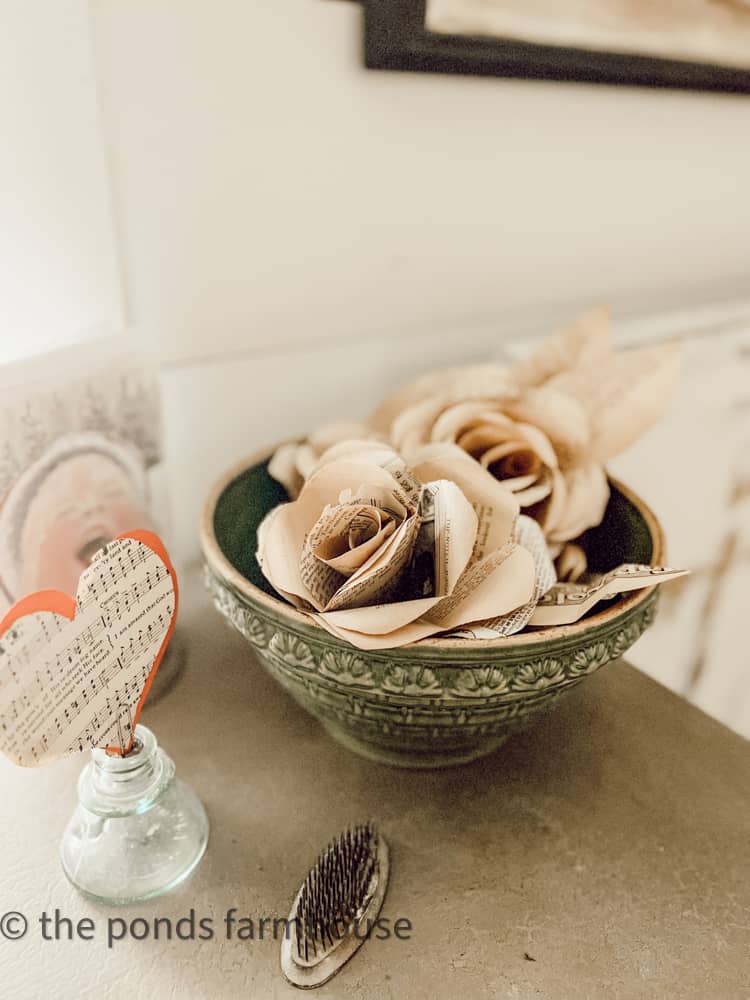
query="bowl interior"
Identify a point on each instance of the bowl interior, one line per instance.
(623, 535)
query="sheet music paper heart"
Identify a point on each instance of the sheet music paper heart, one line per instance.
(74, 673)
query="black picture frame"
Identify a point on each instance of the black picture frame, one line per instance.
(395, 38)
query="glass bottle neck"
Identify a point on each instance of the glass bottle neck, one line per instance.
(113, 785)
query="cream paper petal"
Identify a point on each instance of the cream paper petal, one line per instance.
(401, 637)
(536, 493)
(519, 484)
(489, 589)
(456, 525)
(489, 379)
(624, 396)
(327, 483)
(587, 498)
(585, 343)
(280, 548)
(262, 536)
(380, 619)
(495, 506)
(539, 442)
(384, 499)
(412, 426)
(283, 468)
(566, 603)
(356, 450)
(557, 503)
(497, 451)
(560, 417)
(305, 459)
(571, 563)
(386, 458)
(530, 536)
(486, 437)
(642, 384)
(459, 415)
(298, 602)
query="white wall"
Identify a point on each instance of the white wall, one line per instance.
(272, 192)
(59, 275)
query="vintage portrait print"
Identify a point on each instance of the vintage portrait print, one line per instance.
(80, 432)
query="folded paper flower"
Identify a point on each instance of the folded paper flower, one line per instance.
(544, 427)
(382, 554)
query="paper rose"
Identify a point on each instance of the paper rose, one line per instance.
(293, 462)
(382, 554)
(532, 442)
(544, 428)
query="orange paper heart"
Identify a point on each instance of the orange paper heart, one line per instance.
(74, 674)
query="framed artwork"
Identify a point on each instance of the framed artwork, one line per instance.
(693, 44)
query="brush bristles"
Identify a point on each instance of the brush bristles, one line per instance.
(336, 890)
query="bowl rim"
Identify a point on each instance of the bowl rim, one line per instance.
(222, 568)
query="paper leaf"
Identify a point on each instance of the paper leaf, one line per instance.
(565, 603)
(582, 345)
(624, 396)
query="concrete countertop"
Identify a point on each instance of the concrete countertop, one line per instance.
(604, 852)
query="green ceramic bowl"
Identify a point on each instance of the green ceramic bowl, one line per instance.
(440, 701)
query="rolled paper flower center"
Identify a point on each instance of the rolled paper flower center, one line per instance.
(479, 436)
(521, 463)
(515, 463)
(365, 526)
(503, 452)
(350, 535)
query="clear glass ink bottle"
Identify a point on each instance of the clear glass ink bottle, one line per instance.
(137, 831)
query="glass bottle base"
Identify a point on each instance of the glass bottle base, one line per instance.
(137, 832)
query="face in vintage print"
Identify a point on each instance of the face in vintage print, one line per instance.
(66, 507)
